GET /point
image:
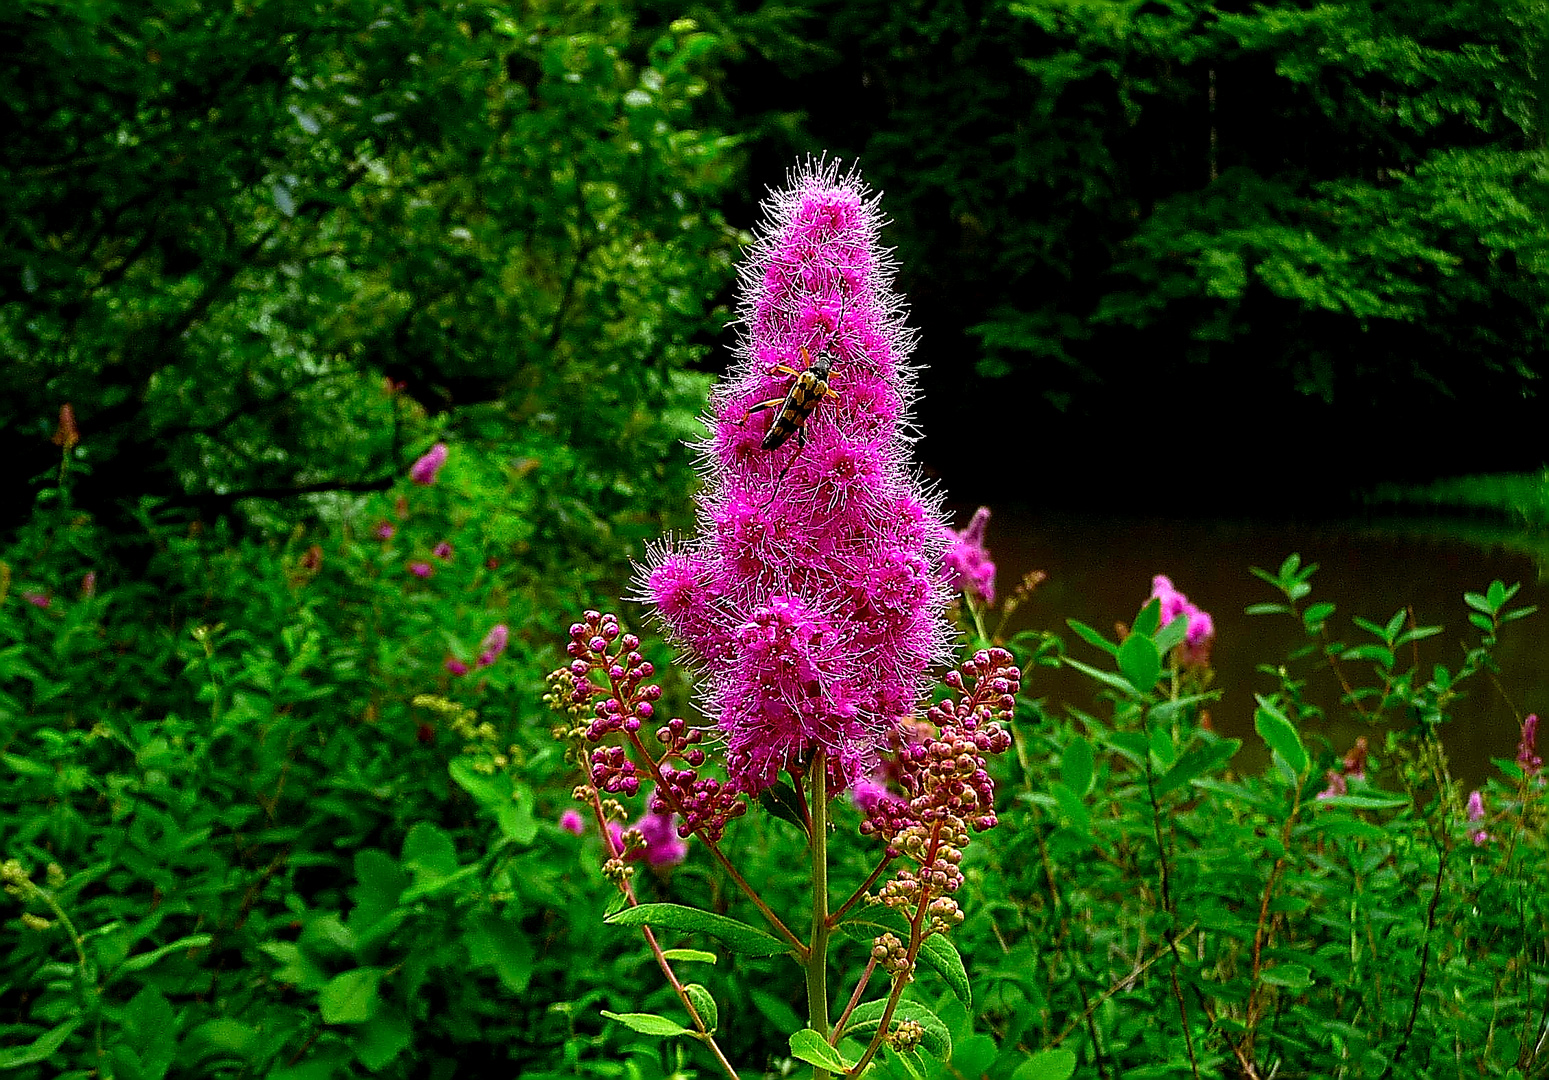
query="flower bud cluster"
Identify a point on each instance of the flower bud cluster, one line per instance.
(627, 703)
(892, 956)
(947, 790)
(905, 1036)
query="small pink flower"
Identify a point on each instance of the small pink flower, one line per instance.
(455, 666)
(869, 793)
(421, 569)
(424, 470)
(1476, 813)
(442, 551)
(89, 584)
(1201, 632)
(1336, 785)
(1527, 746)
(967, 562)
(37, 599)
(572, 822)
(384, 531)
(493, 645)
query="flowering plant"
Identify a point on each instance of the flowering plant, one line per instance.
(811, 602)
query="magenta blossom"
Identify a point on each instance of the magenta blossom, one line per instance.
(967, 561)
(442, 551)
(421, 569)
(424, 470)
(456, 666)
(493, 645)
(1475, 815)
(38, 599)
(663, 845)
(1201, 632)
(1527, 746)
(1336, 785)
(811, 593)
(384, 531)
(572, 822)
(870, 792)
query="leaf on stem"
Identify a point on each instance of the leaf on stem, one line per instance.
(649, 1023)
(738, 936)
(936, 950)
(866, 1018)
(807, 1045)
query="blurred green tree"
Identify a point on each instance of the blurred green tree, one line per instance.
(1320, 209)
(238, 237)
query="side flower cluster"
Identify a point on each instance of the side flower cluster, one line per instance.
(947, 794)
(622, 704)
(969, 568)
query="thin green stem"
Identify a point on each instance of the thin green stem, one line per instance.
(817, 953)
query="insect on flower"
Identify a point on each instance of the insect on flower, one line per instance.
(808, 387)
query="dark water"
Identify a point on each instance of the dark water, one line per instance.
(1100, 569)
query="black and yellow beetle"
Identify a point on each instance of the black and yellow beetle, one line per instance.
(808, 388)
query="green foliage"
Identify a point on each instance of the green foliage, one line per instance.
(229, 229)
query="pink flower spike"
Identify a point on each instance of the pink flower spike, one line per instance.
(812, 591)
(572, 822)
(1475, 806)
(424, 470)
(663, 845)
(493, 645)
(455, 666)
(1336, 785)
(442, 551)
(421, 569)
(89, 584)
(37, 599)
(969, 568)
(384, 531)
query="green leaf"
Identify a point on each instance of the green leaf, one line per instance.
(738, 936)
(775, 1010)
(428, 852)
(648, 1023)
(351, 997)
(1290, 976)
(1141, 662)
(1092, 637)
(40, 1049)
(151, 1028)
(1280, 734)
(694, 955)
(1266, 609)
(1367, 801)
(1071, 806)
(1173, 634)
(382, 1038)
(866, 1018)
(936, 951)
(1108, 678)
(1056, 1064)
(501, 944)
(1076, 766)
(973, 1056)
(1197, 763)
(781, 800)
(807, 1045)
(1149, 621)
(141, 961)
(1316, 615)
(704, 1004)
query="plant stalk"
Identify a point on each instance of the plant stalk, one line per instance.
(817, 951)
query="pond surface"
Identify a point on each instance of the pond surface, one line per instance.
(1100, 570)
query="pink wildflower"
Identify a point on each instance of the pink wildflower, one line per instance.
(421, 569)
(493, 645)
(869, 792)
(1336, 785)
(442, 551)
(37, 599)
(384, 531)
(1527, 746)
(572, 822)
(456, 666)
(811, 593)
(424, 470)
(967, 561)
(1201, 632)
(89, 584)
(1476, 814)
(659, 829)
